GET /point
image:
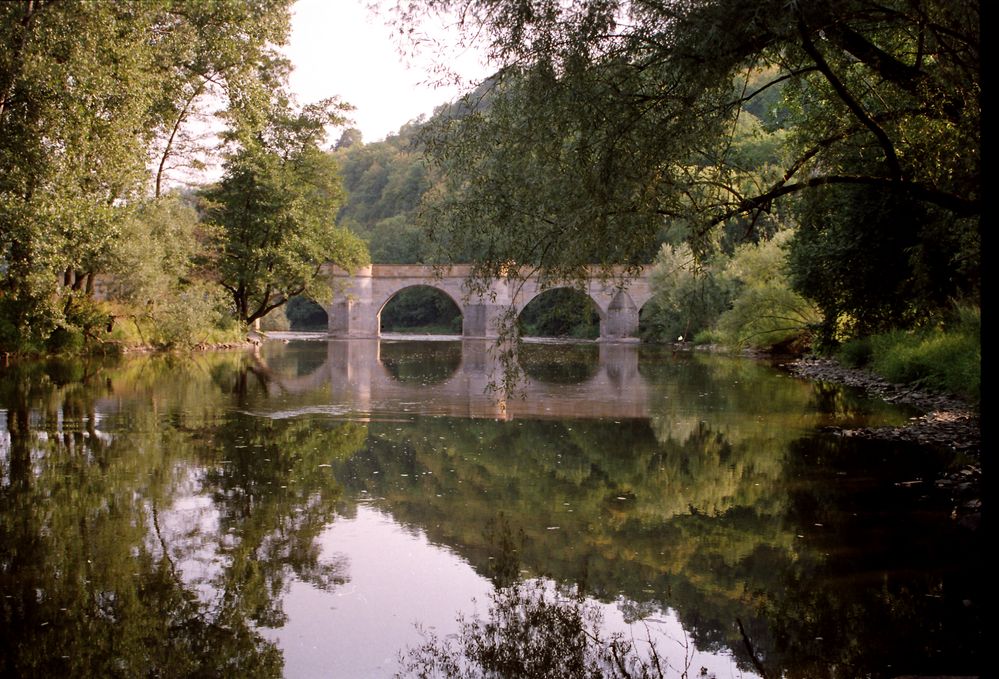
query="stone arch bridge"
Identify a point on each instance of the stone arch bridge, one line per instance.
(358, 299)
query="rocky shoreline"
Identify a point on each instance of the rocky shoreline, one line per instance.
(946, 422)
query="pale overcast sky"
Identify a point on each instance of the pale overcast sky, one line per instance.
(339, 48)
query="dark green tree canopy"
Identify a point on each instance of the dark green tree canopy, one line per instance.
(612, 120)
(93, 95)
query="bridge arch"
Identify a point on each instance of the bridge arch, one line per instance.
(440, 293)
(589, 307)
(388, 296)
(359, 298)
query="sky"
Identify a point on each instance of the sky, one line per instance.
(338, 47)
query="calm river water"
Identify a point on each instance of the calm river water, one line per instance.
(324, 508)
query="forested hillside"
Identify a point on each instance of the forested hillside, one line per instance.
(385, 182)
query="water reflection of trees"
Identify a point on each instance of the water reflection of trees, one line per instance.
(714, 520)
(100, 574)
(725, 506)
(423, 363)
(600, 504)
(569, 364)
(536, 628)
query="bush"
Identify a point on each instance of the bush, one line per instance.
(184, 317)
(275, 321)
(945, 357)
(855, 353)
(706, 337)
(766, 312)
(65, 340)
(688, 299)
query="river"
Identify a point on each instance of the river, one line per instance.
(353, 508)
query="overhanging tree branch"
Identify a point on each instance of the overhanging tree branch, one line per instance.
(959, 206)
(851, 103)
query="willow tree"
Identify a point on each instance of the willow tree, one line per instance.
(610, 121)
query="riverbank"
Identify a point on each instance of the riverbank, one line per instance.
(947, 422)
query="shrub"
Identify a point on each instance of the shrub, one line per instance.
(688, 296)
(945, 357)
(275, 321)
(765, 311)
(65, 340)
(855, 353)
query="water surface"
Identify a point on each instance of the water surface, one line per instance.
(317, 508)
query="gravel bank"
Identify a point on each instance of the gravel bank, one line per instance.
(946, 422)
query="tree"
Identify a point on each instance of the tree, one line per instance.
(71, 150)
(271, 216)
(350, 137)
(385, 182)
(765, 311)
(211, 56)
(90, 94)
(689, 298)
(155, 285)
(612, 120)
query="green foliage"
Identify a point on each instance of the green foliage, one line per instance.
(873, 260)
(421, 309)
(609, 122)
(742, 300)
(90, 520)
(385, 182)
(765, 311)
(72, 146)
(855, 353)
(152, 276)
(275, 321)
(191, 316)
(397, 240)
(560, 312)
(271, 215)
(689, 296)
(90, 94)
(305, 314)
(945, 357)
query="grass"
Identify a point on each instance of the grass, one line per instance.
(945, 357)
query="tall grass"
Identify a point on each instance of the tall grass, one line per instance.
(946, 357)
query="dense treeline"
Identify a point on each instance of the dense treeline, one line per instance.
(613, 122)
(101, 104)
(801, 176)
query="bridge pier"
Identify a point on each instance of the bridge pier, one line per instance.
(353, 315)
(480, 321)
(621, 320)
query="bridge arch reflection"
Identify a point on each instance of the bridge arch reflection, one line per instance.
(358, 376)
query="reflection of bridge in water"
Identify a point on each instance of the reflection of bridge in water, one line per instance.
(359, 381)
